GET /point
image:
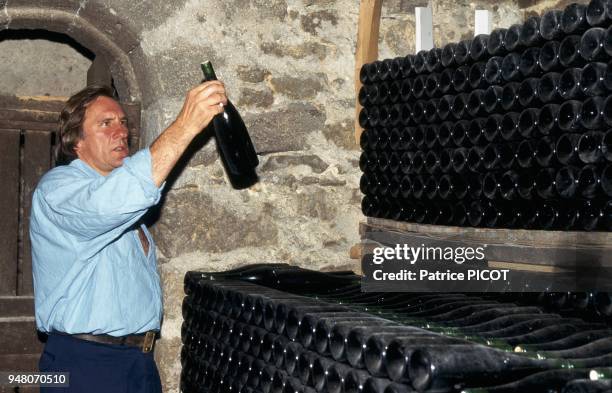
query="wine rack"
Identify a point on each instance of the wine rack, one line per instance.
(507, 130)
(282, 329)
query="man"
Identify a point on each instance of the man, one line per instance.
(96, 287)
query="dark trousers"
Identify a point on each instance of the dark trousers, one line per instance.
(102, 368)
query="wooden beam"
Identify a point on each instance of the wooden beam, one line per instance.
(482, 22)
(424, 28)
(367, 47)
(99, 72)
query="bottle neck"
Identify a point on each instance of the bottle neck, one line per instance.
(209, 72)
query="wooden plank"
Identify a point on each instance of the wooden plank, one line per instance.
(43, 103)
(424, 28)
(367, 47)
(28, 125)
(29, 115)
(16, 306)
(132, 111)
(99, 72)
(482, 22)
(19, 336)
(529, 247)
(9, 219)
(36, 161)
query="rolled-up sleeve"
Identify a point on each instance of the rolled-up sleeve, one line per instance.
(89, 206)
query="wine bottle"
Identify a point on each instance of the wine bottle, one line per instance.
(234, 144)
(590, 214)
(475, 159)
(493, 127)
(510, 101)
(545, 183)
(526, 153)
(492, 99)
(548, 119)
(432, 60)
(592, 44)
(569, 116)
(493, 70)
(588, 386)
(568, 342)
(459, 133)
(460, 159)
(607, 111)
(418, 86)
(608, 41)
(395, 70)
(447, 58)
(530, 62)
(432, 162)
(526, 186)
(530, 32)
(512, 40)
(475, 104)
(567, 149)
(461, 78)
(474, 185)
(491, 157)
(431, 110)
(406, 90)
(432, 85)
(509, 126)
(490, 185)
(496, 43)
(569, 52)
(606, 145)
(459, 106)
(548, 87)
(444, 134)
(528, 93)
(462, 52)
(446, 160)
(528, 122)
(418, 113)
(507, 154)
(551, 380)
(574, 20)
(550, 25)
(407, 66)
(478, 48)
(592, 79)
(590, 147)
(549, 56)
(511, 67)
(596, 13)
(446, 81)
(589, 182)
(545, 153)
(475, 131)
(476, 75)
(508, 185)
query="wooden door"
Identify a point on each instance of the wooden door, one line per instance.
(27, 138)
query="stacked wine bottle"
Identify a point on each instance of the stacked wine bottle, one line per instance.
(243, 332)
(508, 130)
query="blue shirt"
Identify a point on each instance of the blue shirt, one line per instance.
(91, 274)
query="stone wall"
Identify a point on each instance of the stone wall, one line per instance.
(288, 65)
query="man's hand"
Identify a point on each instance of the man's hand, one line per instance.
(203, 102)
(200, 106)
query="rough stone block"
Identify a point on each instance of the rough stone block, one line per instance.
(255, 98)
(277, 162)
(285, 129)
(194, 221)
(299, 88)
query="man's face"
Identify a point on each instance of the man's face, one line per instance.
(105, 136)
